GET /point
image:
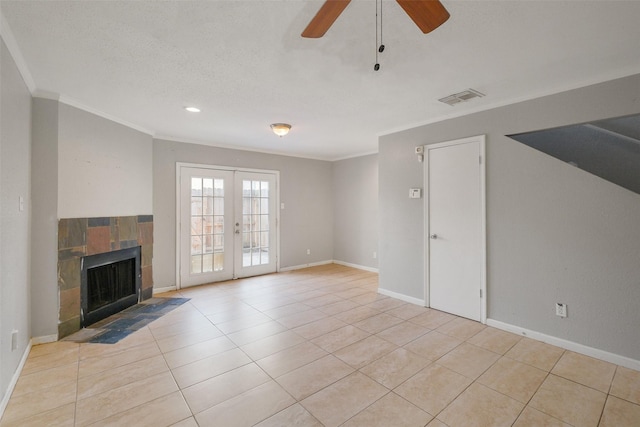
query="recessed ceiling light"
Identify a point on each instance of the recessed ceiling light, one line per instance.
(192, 109)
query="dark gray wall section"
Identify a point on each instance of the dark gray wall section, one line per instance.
(554, 232)
(355, 213)
(305, 189)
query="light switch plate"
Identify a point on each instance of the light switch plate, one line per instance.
(415, 193)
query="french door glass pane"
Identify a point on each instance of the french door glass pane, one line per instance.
(207, 225)
(255, 222)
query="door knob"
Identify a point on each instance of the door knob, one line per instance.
(434, 236)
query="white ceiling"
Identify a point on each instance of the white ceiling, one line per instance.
(246, 66)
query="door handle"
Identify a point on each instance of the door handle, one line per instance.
(433, 236)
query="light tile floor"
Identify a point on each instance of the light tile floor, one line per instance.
(317, 347)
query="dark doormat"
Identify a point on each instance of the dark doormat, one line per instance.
(120, 325)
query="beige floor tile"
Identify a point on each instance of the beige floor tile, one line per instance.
(363, 352)
(47, 378)
(480, 406)
(356, 314)
(337, 403)
(62, 416)
(433, 345)
(189, 422)
(338, 307)
(403, 333)
(120, 376)
(242, 322)
(432, 319)
(213, 391)
(291, 358)
(468, 360)
(52, 348)
(199, 351)
(395, 368)
(436, 423)
(433, 388)
(161, 412)
(247, 408)
(287, 310)
(323, 300)
(319, 327)
(94, 365)
(209, 367)
(514, 379)
(386, 304)
(181, 326)
(585, 370)
(390, 410)
(335, 340)
(570, 402)
(407, 311)
(30, 404)
(460, 328)
(495, 340)
(103, 405)
(272, 344)
(310, 378)
(303, 318)
(65, 356)
(293, 416)
(619, 413)
(184, 340)
(535, 353)
(139, 338)
(378, 323)
(533, 418)
(626, 385)
(256, 333)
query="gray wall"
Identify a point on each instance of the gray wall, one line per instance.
(555, 232)
(355, 210)
(305, 189)
(15, 182)
(44, 218)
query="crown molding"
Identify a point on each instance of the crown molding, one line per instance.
(16, 53)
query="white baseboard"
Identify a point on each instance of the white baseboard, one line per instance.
(359, 267)
(44, 339)
(402, 297)
(313, 264)
(14, 380)
(568, 345)
(163, 290)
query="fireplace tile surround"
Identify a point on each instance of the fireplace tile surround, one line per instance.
(79, 237)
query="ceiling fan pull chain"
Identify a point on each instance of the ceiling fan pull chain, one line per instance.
(376, 67)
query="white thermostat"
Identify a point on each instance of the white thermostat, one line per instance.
(415, 193)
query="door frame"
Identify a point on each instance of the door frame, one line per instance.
(179, 166)
(481, 139)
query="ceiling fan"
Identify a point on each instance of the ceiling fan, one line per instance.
(427, 14)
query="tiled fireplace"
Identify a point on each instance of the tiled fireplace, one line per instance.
(80, 237)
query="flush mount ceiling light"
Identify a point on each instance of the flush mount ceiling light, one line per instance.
(192, 109)
(280, 129)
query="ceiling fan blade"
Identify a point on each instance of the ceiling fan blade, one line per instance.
(325, 17)
(427, 14)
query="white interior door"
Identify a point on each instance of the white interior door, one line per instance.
(227, 224)
(455, 226)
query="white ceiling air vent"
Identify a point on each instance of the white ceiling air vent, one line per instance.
(461, 97)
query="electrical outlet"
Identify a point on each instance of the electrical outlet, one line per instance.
(561, 309)
(308, 251)
(375, 255)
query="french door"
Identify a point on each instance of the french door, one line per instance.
(227, 224)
